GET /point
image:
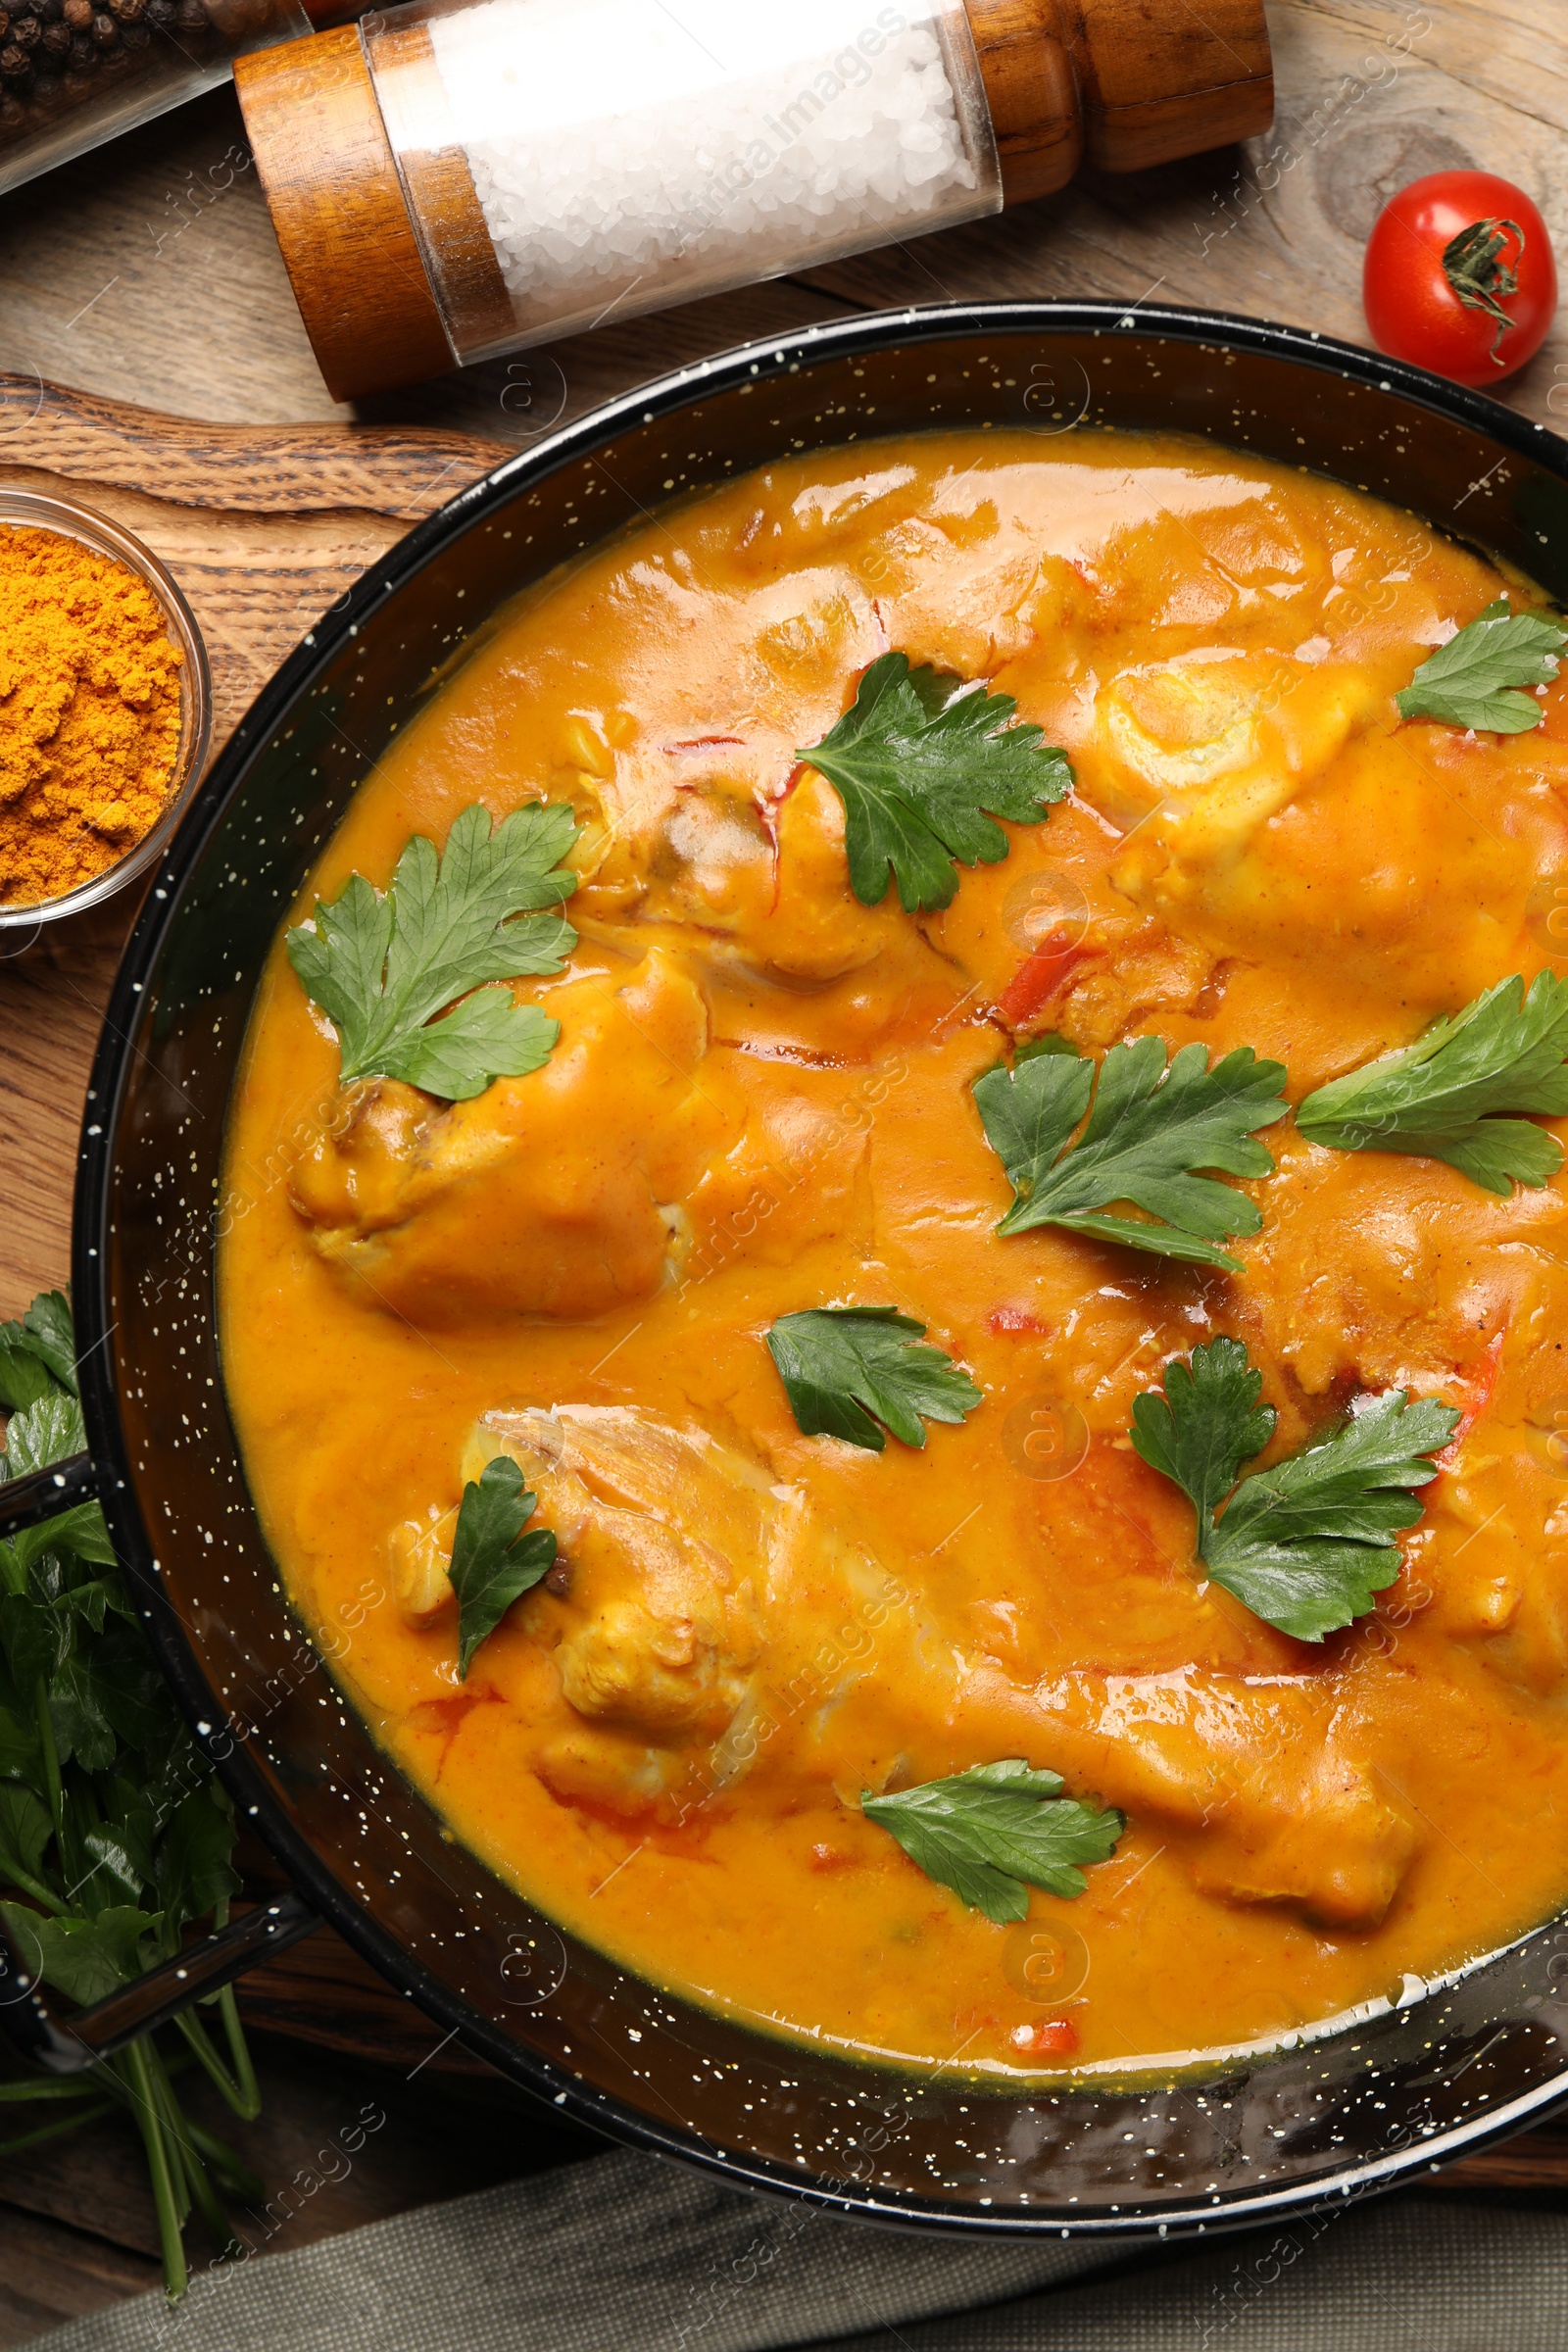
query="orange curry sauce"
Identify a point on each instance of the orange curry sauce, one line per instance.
(761, 1103)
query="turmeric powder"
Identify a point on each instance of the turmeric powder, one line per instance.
(90, 713)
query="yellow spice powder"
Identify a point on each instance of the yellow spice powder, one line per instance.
(90, 713)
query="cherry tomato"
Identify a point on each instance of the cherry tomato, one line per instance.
(1459, 276)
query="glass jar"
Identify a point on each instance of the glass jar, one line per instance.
(706, 148)
(74, 73)
(454, 179)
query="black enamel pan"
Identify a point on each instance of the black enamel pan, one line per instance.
(1437, 2072)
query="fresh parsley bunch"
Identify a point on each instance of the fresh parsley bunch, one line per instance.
(1307, 1545)
(114, 1834)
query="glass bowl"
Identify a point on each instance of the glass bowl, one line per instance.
(31, 509)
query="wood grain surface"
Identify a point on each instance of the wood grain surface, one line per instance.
(263, 527)
(148, 275)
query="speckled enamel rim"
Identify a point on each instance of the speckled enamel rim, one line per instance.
(667, 396)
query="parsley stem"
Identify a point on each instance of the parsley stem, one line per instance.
(54, 2131)
(53, 2087)
(26, 1883)
(239, 2051)
(231, 2173)
(132, 2065)
(198, 2180)
(51, 1764)
(242, 2095)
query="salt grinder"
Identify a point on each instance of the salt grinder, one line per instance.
(456, 180)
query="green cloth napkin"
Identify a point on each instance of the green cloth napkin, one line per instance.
(623, 2254)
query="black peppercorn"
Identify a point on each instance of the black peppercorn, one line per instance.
(5, 28)
(127, 12)
(105, 33)
(161, 13)
(56, 43)
(83, 56)
(192, 16)
(25, 31)
(46, 90)
(14, 65)
(46, 11)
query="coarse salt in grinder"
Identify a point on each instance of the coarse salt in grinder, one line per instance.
(456, 180)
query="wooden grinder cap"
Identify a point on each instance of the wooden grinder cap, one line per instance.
(1123, 83)
(332, 185)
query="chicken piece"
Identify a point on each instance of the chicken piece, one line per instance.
(690, 1637)
(665, 1620)
(1134, 973)
(1290, 1812)
(713, 1626)
(557, 1194)
(800, 1173)
(419, 1555)
(1361, 1282)
(1501, 1588)
(1211, 744)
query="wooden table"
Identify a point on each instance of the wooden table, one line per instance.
(148, 272)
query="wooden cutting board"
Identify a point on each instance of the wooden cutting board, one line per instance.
(263, 527)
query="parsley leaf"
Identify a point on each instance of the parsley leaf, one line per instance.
(47, 1330)
(841, 1364)
(917, 760)
(493, 1562)
(997, 1830)
(1505, 1052)
(25, 1830)
(1472, 682)
(1306, 1545)
(24, 1374)
(383, 966)
(85, 1959)
(1150, 1128)
(192, 1870)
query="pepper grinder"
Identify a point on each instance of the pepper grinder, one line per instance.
(452, 181)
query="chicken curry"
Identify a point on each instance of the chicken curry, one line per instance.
(932, 1376)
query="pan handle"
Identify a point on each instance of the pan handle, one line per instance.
(70, 2045)
(44, 1494)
